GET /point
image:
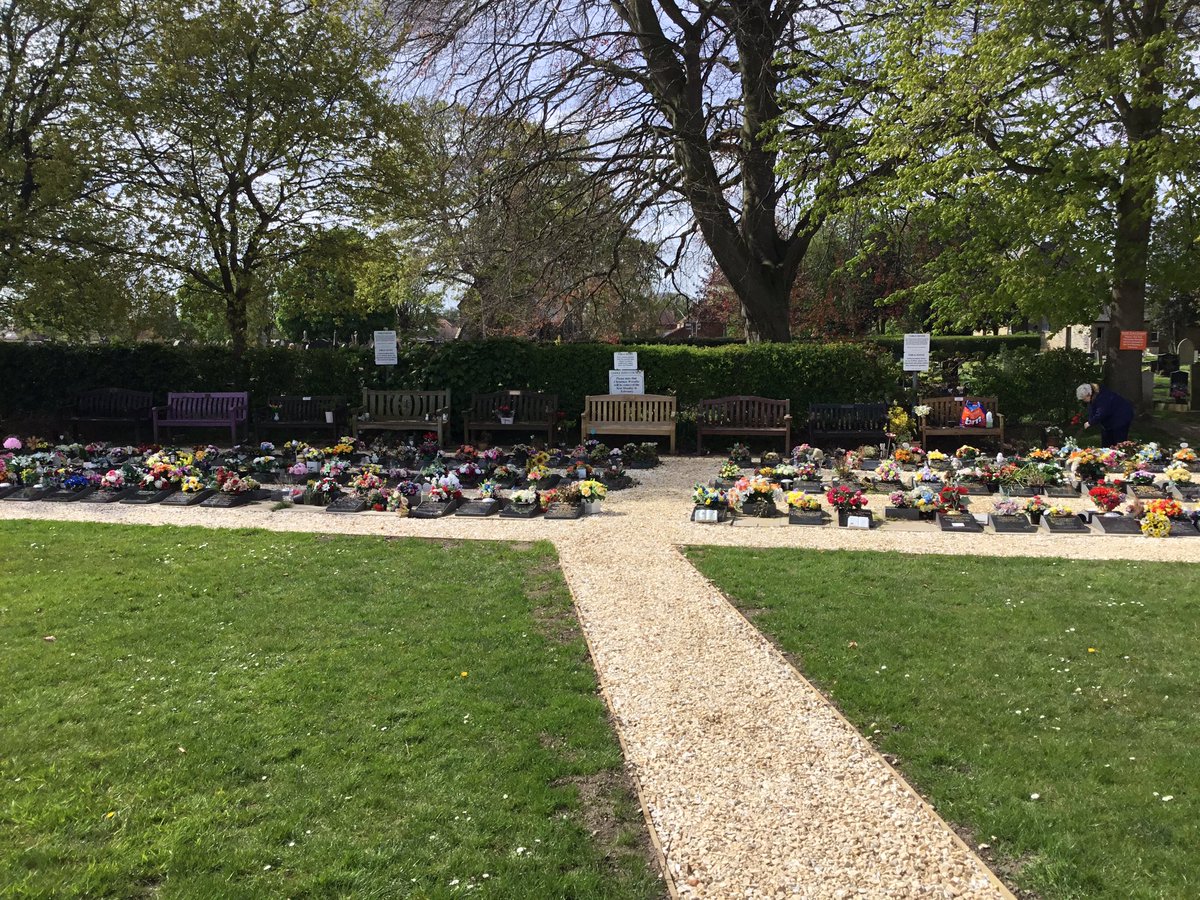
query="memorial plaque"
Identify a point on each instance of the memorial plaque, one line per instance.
(188, 498)
(347, 503)
(485, 506)
(227, 501)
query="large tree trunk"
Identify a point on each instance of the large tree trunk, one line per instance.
(236, 320)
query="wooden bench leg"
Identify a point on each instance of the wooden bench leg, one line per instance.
(672, 441)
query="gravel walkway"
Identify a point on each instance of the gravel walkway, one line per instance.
(755, 785)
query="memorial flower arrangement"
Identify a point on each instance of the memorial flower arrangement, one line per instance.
(1043, 453)
(537, 473)
(921, 411)
(229, 482)
(397, 502)
(1149, 453)
(12, 442)
(298, 469)
(366, 481)
(334, 467)
(1007, 508)
(784, 470)
(112, 480)
(765, 472)
(739, 453)
(75, 482)
(591, 490)
(1105, 497)
(445, 489)
(1169, 508)
(429, 446)
(1036, 505)
(468, 471)
(1141, 477)
(888, 471)
(1059, 511)
(408, 489)
(845, 499)
(730, 471)
(161, 475)
(1178, 474)
(771, 459)
(466, 451)
(807, 472)
(707, 498)
(523, 498)
(1156, 525)
(752, 489)
(802, 452)
(1088, 463)
(538, 460)
(802, 502)
(952, 497)
(928, 476)
(902, 499)
(966, 451)
(492, 454)
(936, 456)
(1184, 454)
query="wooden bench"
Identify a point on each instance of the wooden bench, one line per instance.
(404, 411)
(945, 419)
(112, 406)
(292, 413)
(839, 421)
(641, 414)
(531, 412)
(744, 415)
(217, 410)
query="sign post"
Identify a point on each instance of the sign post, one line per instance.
(916, 356)
(1134, 340)
(386, 353)
(625, 377)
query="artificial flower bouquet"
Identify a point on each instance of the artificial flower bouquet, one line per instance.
(798, 501)
(1106, 498)
(1177, 473)
(966, 452)
(888, 472)
(708, 498)
(366, 482)
(1007, 507)
(952, 498)
(845, 499)
(1184, 454)
(592, 491)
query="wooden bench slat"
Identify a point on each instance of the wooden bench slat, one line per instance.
(650, 414)
(861, 420)
(404, 410)
(744, 415)
(945, 418)
(532, 412)
(197, 410)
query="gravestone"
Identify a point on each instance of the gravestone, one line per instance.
(1167, 362)
(1180, 392)
(1186, 351)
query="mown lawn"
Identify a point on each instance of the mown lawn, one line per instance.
(247, 714)
(1050, 707)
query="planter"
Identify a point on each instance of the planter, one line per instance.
(28, 494)
(1065, 524)
(221, 500)
(709, 514)
(69, 496)
(851, 518)
(1018, 524)
(1118, 524)
(592, 507)
(522, 511)
(348, 503)
(103, 496)
(433, 509)
(959, 523)
(758, 509)
(804, 517)
(142, 497)
(485, 506)
(565, 511)
(188, 498)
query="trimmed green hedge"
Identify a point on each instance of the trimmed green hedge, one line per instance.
(976, 345)
(1032, 386)
(45, 378)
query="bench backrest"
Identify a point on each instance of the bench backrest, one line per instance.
(526, 406)
(848, 418)
(744, 412)
(114, 403)
(406, 406)
(206, 407)
(630, 408)
(305, 409)
(946, 412)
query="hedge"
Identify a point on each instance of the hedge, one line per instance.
(974, 345)
(1031, 386)
(45, 378)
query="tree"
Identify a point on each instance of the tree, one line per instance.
(243, 127)
(678, 103)
(540, 247)
(1052, 133)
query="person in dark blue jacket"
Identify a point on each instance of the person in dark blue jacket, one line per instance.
(1108, 409)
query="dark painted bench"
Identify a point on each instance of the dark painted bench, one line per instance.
(530, 413)
(228, 409)
(293, 413)
(862, 422)
(744, 416)
(113, 406)
(403, 411)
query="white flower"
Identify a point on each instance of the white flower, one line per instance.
(1035, 796)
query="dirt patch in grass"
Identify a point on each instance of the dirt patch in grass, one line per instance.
(609, 810)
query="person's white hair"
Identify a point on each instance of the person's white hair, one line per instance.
(1083, 392)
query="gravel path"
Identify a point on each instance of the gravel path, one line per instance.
(755, 785)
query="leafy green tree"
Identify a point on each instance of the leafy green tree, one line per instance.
(1049, 135)
(242, 127)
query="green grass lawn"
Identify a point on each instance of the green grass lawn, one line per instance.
(247, 714)
(993, 680)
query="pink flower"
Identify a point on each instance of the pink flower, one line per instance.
(12, 443)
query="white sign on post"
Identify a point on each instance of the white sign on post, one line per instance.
(386, 353)
(916, 353)
(625, 360)
(623, 381)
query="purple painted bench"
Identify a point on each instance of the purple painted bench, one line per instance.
(203, 411)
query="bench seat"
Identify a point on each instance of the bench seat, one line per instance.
(841, 421)
(532, 413)
(113, 406)
(632, 414)
(227, 409)
(945, 417)
(404, 411)
(744, 416)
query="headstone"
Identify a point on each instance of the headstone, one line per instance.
(1186, 351)
(1179, 390)
(1168, 362)
(1147, 385)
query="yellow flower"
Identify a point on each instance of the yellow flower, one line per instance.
(1091, 649)
(464, 675)
(110, 815)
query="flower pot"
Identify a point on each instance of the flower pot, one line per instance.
(592, 507)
